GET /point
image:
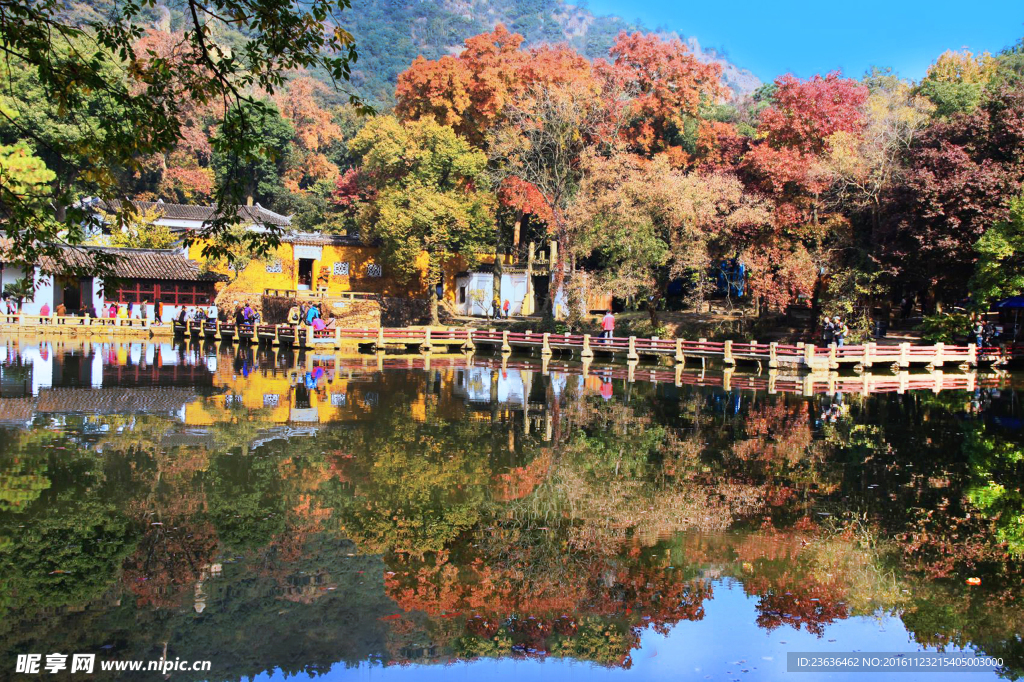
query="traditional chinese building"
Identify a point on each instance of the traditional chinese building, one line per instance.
(136, 276)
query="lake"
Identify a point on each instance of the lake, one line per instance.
(403, 517)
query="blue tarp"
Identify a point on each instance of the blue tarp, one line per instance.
(1010, 303)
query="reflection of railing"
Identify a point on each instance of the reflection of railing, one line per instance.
(772, 381)
(771, 355)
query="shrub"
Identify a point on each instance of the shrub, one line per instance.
(946, 327)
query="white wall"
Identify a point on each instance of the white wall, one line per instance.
(43, 295)
(480, 292)
(43, 292)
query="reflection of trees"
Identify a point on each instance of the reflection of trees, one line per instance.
(493, 541)
(997, 469)
(65, 547)
(419, 485)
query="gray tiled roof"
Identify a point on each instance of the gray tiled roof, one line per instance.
(161, 264)
(256, 215)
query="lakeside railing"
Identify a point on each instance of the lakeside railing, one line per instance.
(44, 322)
(729, 352)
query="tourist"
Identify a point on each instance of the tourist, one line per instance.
(112, 311)
(841, 330)
(906, 307)
(158, 312)
(239, 317)
(828, 331)
(131, 310)
(979, 333)
(303, 311)
(122, 312)
(312, 314)
(293, 315)
(607, 325)
(506, 308)
(45, 310)
(62, 310)
(247, 312)
(496, 308)
(182, 315)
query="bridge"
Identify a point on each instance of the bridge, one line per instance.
(583, 346)
(804, 356)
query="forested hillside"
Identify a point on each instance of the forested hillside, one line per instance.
(391, 33)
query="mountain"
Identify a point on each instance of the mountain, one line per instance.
(391, 33)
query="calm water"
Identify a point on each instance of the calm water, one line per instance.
(284, 515)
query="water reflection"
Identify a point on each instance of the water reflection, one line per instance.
(308, 513)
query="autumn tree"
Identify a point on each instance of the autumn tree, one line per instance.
(796, 132)
(428, 196)
(76, 69)
(665, 85)
(961, 174)
(24, 177)
(863, 166)
(644, 223)
(314, 129)
(471, 91)
(1000, 269)
(182, 174)
(138, 230)
(955, 82)
(543, 142)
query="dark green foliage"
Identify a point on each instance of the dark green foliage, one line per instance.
(259, 174)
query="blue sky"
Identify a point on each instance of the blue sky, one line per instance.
(772, 37)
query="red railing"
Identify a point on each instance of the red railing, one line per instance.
(821, 356)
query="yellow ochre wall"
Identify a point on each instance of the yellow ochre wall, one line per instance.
(254, 278)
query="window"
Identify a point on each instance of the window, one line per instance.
(373, 270)
(274, 266)
(270, 399)
(338, 399)
(341, 269)
(462, 294)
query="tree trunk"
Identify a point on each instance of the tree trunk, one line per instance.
(652, 312)
(558, 282)
(434, 318)
(497, 272)
(435, 275)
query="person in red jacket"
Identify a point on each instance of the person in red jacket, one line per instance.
(607, 325)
